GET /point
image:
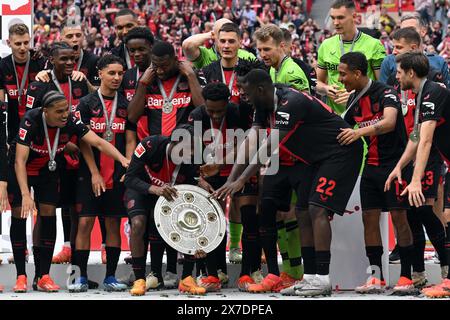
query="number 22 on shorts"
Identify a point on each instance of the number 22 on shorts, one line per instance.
(325, 187)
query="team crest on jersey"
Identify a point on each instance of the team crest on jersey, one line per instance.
(131, 83)
(376, 107)
(64, 138)
(122, 113)
(23, 133)
(140, 150)
(77, 92)
(30, 101)
(183, 86)
(9, 77)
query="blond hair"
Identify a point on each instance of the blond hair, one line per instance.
(269, 31)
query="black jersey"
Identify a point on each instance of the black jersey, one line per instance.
(151, 166)
(435, 106)
(213, 74)
(88, 67)
(121, 51)
(3, 149)
(128, 87)
(384, 149)
(311, 125)
(31, 134)
(91, 113)
(9, 83)
(37, 90)
(230, 122)
(408, 102)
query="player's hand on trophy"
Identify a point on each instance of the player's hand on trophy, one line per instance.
(228, 189)
(166, 191)
(202, 183)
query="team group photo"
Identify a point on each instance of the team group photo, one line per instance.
(225, 150)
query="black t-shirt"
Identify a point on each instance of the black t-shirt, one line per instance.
(312, 126)
(90, 110)
(31, 134)
(149, 166)
(384, 149)
(435, 106)
(213, 74)
(3, 149)
(8, 82)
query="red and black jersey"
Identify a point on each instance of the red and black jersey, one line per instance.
(150, 166)
(383, 149)
(212, 74)
(88, 67)
(31, 134)
(90, 110)
(3, 148)
(311, 126)
(230, 122)
(435, 107)
(163, 123)
(267, 120)
(409, 106)
(129, 85)
(8, 82)
(37, 90)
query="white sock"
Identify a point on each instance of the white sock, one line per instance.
(67, 244)
(323, 278)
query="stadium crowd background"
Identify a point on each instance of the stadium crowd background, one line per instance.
(176, 20)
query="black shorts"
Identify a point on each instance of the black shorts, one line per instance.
(68, 182)
(447, 191)
(250, 187)
(432, 179)
(372, 192)
(139, 204)
(109, 204)
(335, 179)
(279, 187)
(45, 187)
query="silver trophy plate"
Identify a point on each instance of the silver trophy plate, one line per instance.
(192, 221)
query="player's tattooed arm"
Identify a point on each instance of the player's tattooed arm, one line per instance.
(386, 124)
